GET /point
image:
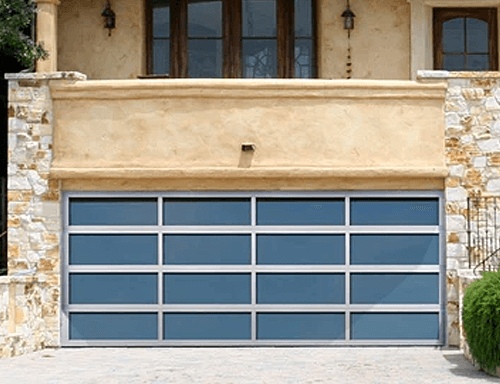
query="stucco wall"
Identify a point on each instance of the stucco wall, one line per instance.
(84, 44)
(196, 128)
(380, 41)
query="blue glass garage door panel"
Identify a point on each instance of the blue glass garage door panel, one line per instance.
(207, 288)
(113, 288)
(206, 212)
(207, 326)
(113, 326)
(395, 249)
(394, 288)
(393, 326)
(394, 211)
(300, 288)
(113, 249)
(207, 249)
(300, 249)
(113, 211)
(300, 212)
(300, 326)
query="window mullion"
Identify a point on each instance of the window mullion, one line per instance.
(285, 38)
(178, 21)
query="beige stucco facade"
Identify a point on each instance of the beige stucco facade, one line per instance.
(380, 43)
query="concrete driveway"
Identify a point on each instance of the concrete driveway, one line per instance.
(242, 365)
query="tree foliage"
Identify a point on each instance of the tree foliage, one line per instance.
(481, 319)
(16, 17)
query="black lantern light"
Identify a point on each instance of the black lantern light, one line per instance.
(109, 16)
(348, 16)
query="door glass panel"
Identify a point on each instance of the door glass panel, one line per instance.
(454, 35)
(303, 58)
(259, 18)
(300, 212)
(205, 58)
(300, 249)
(477, 36)
(478, 62)
(204, 18)
(394, 211)
(300, 326)
(300, 288)
(113, 211)
(113, 249)
(113, 326)
(260, 58)
(454, 62)
(206, 212)
(161, 18)
(161, 56)
(394, 249)
(113, 288)
(303, 18)
(206, 288)
(394, 288)
(207, 249)
(207, 326)
(392, 326)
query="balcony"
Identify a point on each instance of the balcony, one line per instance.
(334, 132)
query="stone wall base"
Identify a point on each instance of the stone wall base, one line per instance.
(22, 326)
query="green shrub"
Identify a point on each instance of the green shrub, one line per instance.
(481, 317)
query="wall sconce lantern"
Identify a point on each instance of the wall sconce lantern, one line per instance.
(109, 16)
(348, 16)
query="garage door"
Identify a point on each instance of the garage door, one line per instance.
(252, 269)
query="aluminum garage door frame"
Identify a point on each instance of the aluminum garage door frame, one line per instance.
(253, 308)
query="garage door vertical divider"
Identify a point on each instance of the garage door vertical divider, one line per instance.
(347, 280)
(253, 290)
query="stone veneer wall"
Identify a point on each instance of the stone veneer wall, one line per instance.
(30, 295)
(472, 124)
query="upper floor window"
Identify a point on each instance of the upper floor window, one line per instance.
(465, 39)
(232, 38)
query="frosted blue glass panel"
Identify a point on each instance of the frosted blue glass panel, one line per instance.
(204, 18)
(205, 58)
(113, 211)
(300, 288)
(454, 35)
(207, 288)
(207, 326)
(303, 18)
(113, 288)
(300, 212)
(395, 249)
(207, 249)
(395, 288)
(113, 326)
(454, 62)
(161, 18)
(394, 211)
(259, 18)
(206, 212)
(260, 58)
(161, 57)
(113, 249)
(390, 326)
(300, 249)
(300, 326)
(478, 62)
(303, 58)
(477, 36)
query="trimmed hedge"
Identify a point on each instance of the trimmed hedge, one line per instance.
(481, 319)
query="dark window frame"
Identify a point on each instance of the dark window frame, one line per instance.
(441, 15)
(231, 38)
